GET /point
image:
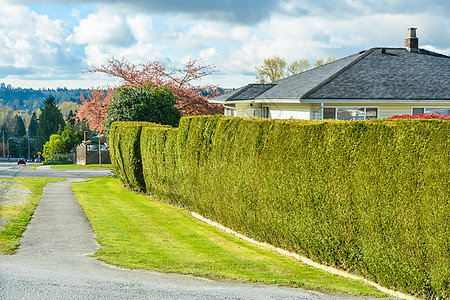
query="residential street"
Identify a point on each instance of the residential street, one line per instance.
(52, 261)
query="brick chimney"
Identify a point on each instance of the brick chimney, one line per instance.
(412, 42)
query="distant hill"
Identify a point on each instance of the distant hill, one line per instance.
(30, 99)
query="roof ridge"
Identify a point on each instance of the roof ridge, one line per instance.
(364, 54)
(250, 85)
(244, 88)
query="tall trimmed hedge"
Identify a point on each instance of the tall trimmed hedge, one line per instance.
(125, 152)
(370, 197)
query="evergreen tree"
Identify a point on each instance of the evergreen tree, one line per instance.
(69, 137)
(71, 118)
(32, 127)
(18, 127)
(49, 122)
(8, 125)
(23, 147)
(13, 148)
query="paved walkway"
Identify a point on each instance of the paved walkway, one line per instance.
(52, 264)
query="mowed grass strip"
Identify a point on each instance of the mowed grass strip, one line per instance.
(19, 209)
(74, 166)
(136, 231)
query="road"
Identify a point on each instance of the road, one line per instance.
(52, 262)
(15, 170)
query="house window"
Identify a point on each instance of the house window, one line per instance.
(230, 111)
(329, 113)
(265, 112)
(371, 113)
(259, 112)
(418, 110)
(350, 113)
(430, 110)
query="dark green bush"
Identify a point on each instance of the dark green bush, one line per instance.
(370, 197)
(143, 103)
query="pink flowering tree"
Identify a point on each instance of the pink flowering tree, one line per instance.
(189, 99)
(422, 116)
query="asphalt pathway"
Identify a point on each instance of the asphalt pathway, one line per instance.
(53, 263)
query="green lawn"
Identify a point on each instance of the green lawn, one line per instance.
(136, 231)
(74, 166)
(16, 208)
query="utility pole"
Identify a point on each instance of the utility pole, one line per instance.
(99, 151)
(28, 138)
(3, 142)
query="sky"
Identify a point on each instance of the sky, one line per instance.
(50, 44)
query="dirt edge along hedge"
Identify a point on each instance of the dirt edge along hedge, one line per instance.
(370, 197)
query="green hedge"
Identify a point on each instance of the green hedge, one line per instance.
(370, 197)
(125, 151)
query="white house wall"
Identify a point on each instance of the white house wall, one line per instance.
(240, 109)
(311, 110)
(290, 111)
(385, 110)
(389, 110)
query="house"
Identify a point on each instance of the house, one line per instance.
(375, 83)
(87, 152)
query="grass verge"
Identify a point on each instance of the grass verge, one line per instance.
(74, 166)
(136, 231)
(17, 207)
(33, 166)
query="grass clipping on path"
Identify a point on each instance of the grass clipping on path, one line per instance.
(18, 200)
(136, 231)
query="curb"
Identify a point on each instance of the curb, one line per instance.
(306, 260)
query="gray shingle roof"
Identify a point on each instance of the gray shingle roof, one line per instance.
(396, 74)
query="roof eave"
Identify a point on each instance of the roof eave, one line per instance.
(217, 101)
(256, 100)
(344, 100)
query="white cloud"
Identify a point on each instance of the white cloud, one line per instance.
(141, 26)
(232, 37)
(317, 37)
(139, 53)
(434, 49)
(32, 41)
(96, 55)
(193, 35)
(48, 30)
(143, 52)
(209, 54)
(104, 29)
(240, 33)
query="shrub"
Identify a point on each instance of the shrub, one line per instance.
(370, 197)
(53, 148)
(144, 103)
(424, 116)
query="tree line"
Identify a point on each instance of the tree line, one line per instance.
(21, 99)
(276, 68)
(147, 92)
(19, 140)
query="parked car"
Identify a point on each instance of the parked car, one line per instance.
(38, 160)
(29, 160)
(21, 161)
